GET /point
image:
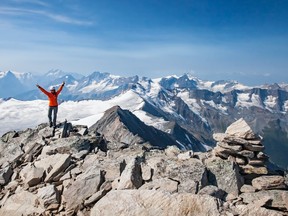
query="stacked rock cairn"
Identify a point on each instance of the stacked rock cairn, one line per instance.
(241, 145)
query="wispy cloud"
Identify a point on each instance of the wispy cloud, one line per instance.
(56, 17)
(36, 2)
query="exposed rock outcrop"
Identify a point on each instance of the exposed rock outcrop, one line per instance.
(88, 174)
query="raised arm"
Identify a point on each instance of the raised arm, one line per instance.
(43, 90)
(60, 88)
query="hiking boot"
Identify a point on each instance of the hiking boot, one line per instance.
(50, 124)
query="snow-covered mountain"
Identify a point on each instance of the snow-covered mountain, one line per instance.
(14, 83)
(187, 108)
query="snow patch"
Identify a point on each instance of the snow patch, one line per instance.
(270, 102)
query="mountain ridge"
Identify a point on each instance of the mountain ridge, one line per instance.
(196, 106)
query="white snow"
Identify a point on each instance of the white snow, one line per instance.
(206, 147)
(192, 104)
(156, 122)
(182, 146)
(18, 115)
(72, 86)
(270, 102)
(98, 86)
(216, 106)
(285, 108)
(244, 100)
(2, 74)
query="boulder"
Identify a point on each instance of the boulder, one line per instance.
(233, 147)
(249, 169)
(163, 184)
(219, 137)
(256, 162)
(186, 155)
(31, 175)
(191, 174)
(212, 191)
(60, 166)
(85, 185)
(269, 182)
(69, 145)
(241, 129)
(247, 189)
(5, 174)
(9, 136)
(246, 154)
(225, 175)
(104, 189)
(10, 152)
(277, 197)
(151, 202)
(48, 196)
(21, 203)
(131, 177)
(147, 172)
(244, 210)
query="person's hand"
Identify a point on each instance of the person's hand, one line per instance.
(37, 86)
(63, 83)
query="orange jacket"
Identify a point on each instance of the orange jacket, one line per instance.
(52, 97)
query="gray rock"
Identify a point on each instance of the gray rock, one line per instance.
(10, 152)
(241, 129)
(254, 147)
(85, 185)
(99, 194)
(232, 147)
(247, 189)
(146, 172)
(277, 197)
(163, 184)
(32, 175)
(244, 210)
(21, 203)
(219, 137)
(247, 154)
(131, 177)
(69, 145)
(212, 191)
(240, 161)
(186, 155)
(9, 136)
(5, 174)
(48, 196)
(224, 151)
(172, 151)
(60, 166)
(256, 162)
(151, 202)
(262, 156)
(191, 174)
(269, 182)
(225, 175)
(248, 169)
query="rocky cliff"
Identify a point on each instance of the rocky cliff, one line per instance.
(81, 171)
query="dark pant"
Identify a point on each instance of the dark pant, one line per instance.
(53, 109)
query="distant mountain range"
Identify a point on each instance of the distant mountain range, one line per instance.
(190, 109)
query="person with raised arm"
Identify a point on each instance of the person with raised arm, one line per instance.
(53, 103)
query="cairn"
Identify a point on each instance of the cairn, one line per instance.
(241, 145)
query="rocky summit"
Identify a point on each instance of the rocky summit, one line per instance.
(116, 170)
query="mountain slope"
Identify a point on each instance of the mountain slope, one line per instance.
(200, 108)
(123, 127)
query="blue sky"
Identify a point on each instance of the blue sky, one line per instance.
(244, 40)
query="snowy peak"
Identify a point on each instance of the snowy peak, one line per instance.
(173, 82)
